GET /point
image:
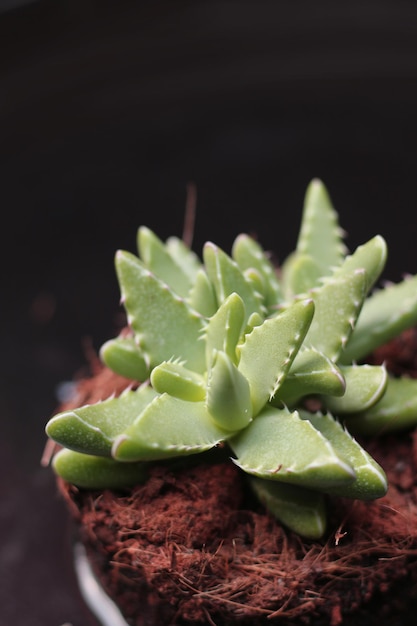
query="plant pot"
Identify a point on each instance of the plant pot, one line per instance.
(192, 547)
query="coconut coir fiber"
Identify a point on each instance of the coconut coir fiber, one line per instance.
(192, 547)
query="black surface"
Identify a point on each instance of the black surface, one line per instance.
(107, 111)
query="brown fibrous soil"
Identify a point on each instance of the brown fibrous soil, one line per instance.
(191, 546)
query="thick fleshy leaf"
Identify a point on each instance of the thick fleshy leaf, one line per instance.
(337, 305)
(249, 254)
(160, 262)
(279, 445)
(254, 320)
(397, 410)
(227, 278)
(320, 234)
(370, 481)
(176, 380)
(185, 258)
(370, 257)
(257, 281)
(123, 356)
(224, 328)
(299, 274)
(302, 510)
(311, 373)
(365, 385)
(228, 395)
(385, 314)
(201, 297)
(94, 472)
(92, 428)
(168, 427)
(166, 328)
(269, 350)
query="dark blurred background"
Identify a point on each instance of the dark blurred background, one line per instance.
(108, 110)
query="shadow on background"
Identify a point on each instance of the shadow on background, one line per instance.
(107, 111)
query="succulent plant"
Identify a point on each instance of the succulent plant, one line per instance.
(263, 365)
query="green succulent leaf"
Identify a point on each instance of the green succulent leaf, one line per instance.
(176, 380)
(371, 257)
(279, 445)
(225, 327)
(365, 385)
(254, 320)
(300, 509)
(269, 350)
(248, 254)
(123, 356)
(311, 373)
(227, 278)
(160, 261)
(92, 429)
(201, 297)
(256, 280)
(228, 394)
(184, 257)
(167, 428)
(370, 480)
(93, 472)
(337, 305)
(321, 237)
(385, 314)
(165, 326)
(395, 411)
(300, 273)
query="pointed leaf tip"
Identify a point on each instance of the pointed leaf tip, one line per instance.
(224, 328)
(228, 394)
(269, 350)
(270, 447)
(166, 261)
(151, 306)
(320, 234)
(227, 278)
(370, 479)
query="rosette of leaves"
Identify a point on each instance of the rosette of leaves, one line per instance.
(230, 354)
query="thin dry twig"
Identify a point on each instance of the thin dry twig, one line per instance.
(190, 213)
